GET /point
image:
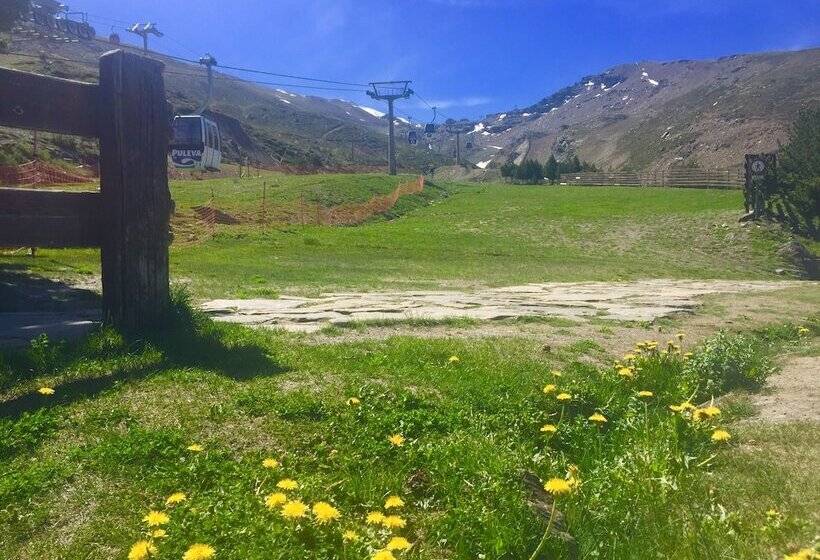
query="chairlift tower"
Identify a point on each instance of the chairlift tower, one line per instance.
(458, 131)
(390, 92)
(143, 30)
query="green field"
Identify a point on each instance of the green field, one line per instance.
(459, 235)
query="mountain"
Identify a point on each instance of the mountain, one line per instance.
(656, 115)
(264, 123)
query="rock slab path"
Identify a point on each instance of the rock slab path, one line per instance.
(644, 300)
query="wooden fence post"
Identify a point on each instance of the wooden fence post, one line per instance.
(134, 136)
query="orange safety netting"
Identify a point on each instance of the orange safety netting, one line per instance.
(39, 173)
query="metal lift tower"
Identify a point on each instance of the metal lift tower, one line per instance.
(390, 92)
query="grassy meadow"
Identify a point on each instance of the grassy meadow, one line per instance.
(456, 236)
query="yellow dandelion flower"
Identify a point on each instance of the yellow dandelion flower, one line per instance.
(711, 411)
(394, 522)
(156, 518)
(294, 509)
(383, 555)
(175, 498)
(681, 336)
(563, 396)
(772, 513)
(802, 331)
(629, 357)
(374, 518)
(159, 533)
(199, 552)
(453, 359)
(397, 543)
(698, 415)
(141, 550)
(557, 373)
(287, 484)
(353, 401)
(682, 407)
(393, 502)
(804, 554)
(275, 500)
(195, 447)
(47, 391)
(549, 388)
(396, 440)
(719, 436)
(645, 394)
(325, 513)
(598, 418)
(549, 428)
(270, 463)
(626, 372)
(350, 536)
(558, 486)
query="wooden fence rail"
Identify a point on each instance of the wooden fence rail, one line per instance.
(129, 218)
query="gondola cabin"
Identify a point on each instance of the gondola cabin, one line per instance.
(429, 129)
(195, 143)
(412, 137)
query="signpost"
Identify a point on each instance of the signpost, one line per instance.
(758, 168)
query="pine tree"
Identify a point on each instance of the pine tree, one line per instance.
(551, 169)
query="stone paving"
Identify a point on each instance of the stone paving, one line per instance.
(644, 300)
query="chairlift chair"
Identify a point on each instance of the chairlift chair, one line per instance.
(412, 137)
(430, 128)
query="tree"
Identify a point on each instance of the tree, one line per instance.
(12, 11)
(551, 169)
(530, 172)
(576, 164)
(798, 175)
(508, 170)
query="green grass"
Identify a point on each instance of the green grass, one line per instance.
(79, 469)
(476, 236)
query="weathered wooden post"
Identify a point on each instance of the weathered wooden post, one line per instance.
(134, 133)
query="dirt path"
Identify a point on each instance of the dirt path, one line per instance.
(645, 300)
(793, 394)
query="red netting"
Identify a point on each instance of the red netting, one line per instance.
(39, 173)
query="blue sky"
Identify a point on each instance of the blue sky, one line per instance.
(471, 57)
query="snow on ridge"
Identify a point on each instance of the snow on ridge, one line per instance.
(653, 82)
(497, 147)
(484, 164)
(402, 119)
(283, 100)
(502, 116)
(644, 74)
(479, 127)
(526, 114)
(485, 133)
(371, 111)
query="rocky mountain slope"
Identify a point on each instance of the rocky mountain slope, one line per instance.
(656, 115)
(266, 124)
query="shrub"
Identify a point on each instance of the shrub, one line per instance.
(729, 361)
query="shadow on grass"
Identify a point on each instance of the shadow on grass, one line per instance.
(191, 340)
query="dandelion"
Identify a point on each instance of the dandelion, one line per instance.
(383, 555)
(563, 396)
(681, 336)
(772, 513)
(453, 359)
(270, 463)
(393, 502)
(549, 388)
(396, 440)
(573, 476)
(629, 357)
(156, 518)
(398, 543)
(558, 487)
(294, 509)
(804, 554)
(394, 522)
(598, 418)
(175, 498)
(199, 552)
(374, 518)
(626, 372)
(549, 428)
(350, 536)
(687, 355)
(287, 484)
(195, 447)
(556, 373)
(276, 499)
(159, 533)
(720, 436)
(645, 394)
(47, 391)
(325, 513)
(682, 407)
(802, 331)
(141, 550)
(353, 401)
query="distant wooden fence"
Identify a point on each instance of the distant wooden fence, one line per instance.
(129, 218)
(683, 177)
(39, 173)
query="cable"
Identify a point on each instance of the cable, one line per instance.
(291, 76)
(244, 80)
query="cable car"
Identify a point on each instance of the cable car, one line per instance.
(195, 143)
(412, 137)
(429, 128)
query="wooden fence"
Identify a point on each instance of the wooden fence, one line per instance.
(128, 219)
(674, 177)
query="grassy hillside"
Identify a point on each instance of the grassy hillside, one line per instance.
(473, 236)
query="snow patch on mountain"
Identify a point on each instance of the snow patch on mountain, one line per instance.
(371, 111)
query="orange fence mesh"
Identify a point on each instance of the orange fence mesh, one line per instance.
(39, 173)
